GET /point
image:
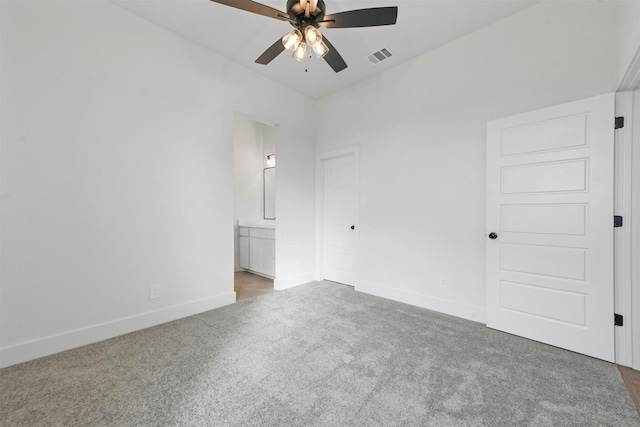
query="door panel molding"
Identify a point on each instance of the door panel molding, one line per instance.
(550, 272)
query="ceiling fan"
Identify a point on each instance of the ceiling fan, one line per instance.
(306, 16)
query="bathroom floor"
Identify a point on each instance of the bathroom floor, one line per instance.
(249, 285)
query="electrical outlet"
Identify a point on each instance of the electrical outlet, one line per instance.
(442, 281)
(154, 291)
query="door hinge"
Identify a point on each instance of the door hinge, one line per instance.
(619, 122)
(618, 320)
(617, 221)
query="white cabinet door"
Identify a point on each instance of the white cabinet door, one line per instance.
(255, 255)
(244, 252)
(270, 258)
(550, 226)
(262, 256)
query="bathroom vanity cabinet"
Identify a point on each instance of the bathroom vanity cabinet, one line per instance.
(258, 250)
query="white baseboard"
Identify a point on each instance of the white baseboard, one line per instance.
(56, 343)
(465, 311)
(290, 282)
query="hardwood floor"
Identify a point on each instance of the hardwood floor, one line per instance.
(632, 380)
(249, 285)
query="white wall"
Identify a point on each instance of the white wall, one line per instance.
(421, 129)
(295, 243)
(248, 166)
(628, 36)
(268, 144)
(117, 173)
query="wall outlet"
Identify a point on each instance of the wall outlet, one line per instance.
(154, 291)
(442, 281)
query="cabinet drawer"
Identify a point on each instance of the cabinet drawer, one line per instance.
(263, 233)
(244, 231)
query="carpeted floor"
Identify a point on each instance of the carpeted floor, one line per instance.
(319, 354)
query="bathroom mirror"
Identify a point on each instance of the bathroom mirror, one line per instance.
(270, 193)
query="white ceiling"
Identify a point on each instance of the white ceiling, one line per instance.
(241, 36)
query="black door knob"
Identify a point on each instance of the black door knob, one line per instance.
(493, 235)
(353, 227)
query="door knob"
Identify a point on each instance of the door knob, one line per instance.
(353, 227)
(493, 235)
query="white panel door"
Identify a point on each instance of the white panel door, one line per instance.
(340, 234)
(550, 203)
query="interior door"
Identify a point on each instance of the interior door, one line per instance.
(550, 226)
(339, 220)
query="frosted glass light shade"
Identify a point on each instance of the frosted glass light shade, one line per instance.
(321, 49)
(300, 54)
(292, 39)
(312, 36)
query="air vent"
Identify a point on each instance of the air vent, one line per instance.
(380, 56)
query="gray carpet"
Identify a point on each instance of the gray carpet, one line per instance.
(320, 354)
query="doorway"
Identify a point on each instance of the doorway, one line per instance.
(254, 169)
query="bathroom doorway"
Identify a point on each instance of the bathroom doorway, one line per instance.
(254, 168)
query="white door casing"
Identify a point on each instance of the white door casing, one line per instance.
(550, 200)
(623, 260)
(339, 229)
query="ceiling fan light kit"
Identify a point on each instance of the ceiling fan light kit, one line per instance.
(292, 39)
(297, 43)
(312, 35)
(321, 49)
(306, 16)
(300, 54)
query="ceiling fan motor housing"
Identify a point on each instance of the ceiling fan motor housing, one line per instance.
(297, 12)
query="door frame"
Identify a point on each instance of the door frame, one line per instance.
(628, 105)
(632, 120)
(321, 157)
(623, 238)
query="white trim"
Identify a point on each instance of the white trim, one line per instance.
(465, 311)
(353, 150)
(631, 79)
(290, 282)
(1, 358)
(622, 235)
(56, 343)
(634, 225)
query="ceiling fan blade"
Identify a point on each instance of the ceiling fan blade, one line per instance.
(333, 58)
(372, 17)
(271, 53)
(252, 6)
